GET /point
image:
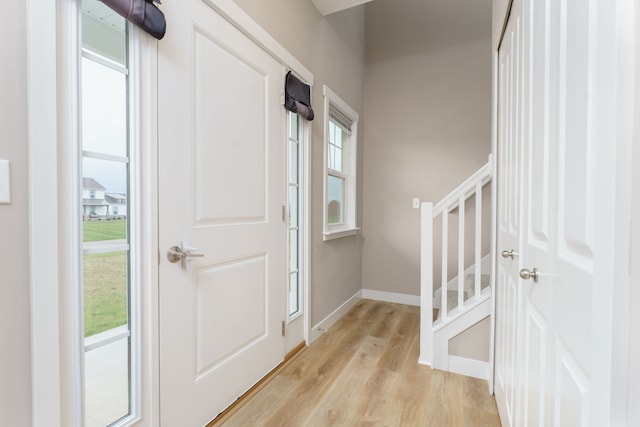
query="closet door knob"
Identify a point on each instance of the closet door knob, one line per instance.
(509, 254)
(527, 274)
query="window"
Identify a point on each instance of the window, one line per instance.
(295, 214)
(108, 268)
(341, 124)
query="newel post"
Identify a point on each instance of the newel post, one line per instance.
(426, 284)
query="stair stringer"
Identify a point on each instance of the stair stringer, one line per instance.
(443, 332)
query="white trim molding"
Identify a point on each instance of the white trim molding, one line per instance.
(241, 20)
(147, 106)
(393, 297)
(327, 7)
(349, 173)
(324, 325)
(43, 212)
(342, 232)
(469, 367)
(494, 217)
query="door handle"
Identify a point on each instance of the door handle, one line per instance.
(509, 254)
(182, 253)
(527, 274)
(175, 254)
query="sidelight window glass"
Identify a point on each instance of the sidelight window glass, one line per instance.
(294, 209)
(106, 217)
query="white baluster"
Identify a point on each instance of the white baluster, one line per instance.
(445, 244)
(478, 256)
(426, 284)
(461, 214)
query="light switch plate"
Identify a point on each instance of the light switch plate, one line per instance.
(5, 182)
(416, 203)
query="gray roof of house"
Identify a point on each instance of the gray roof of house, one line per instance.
(92, 184)
(115, 198)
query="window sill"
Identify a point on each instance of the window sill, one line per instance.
(340, 232)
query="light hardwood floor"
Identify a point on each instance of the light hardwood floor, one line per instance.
(364, 372)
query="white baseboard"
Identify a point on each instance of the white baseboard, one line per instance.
(469, 367)
(333, 317)
(424, 361)
(391, 297)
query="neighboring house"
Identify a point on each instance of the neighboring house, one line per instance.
(93, 198)
(117, 203)
(96, 202)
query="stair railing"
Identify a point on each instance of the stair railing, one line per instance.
(429, 213)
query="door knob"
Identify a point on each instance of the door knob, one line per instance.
(509, 254)
(175, 254)
(182, 253)
(527, 274)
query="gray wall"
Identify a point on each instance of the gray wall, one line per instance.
(15, 357)
(473, 343)
(332, 48)
(427, 129)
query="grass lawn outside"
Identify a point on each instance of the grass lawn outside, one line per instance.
(105, 279)
(105, 292)
(334, 219)
(93, 231)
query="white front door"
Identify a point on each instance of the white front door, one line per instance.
(563, 315)
(221, 189)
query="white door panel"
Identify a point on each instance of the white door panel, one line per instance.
(540, 139)
(509, 172)
(534, 380)
(221, 185)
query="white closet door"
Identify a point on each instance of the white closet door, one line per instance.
(565, 115)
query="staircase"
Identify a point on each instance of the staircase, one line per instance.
(467, 296)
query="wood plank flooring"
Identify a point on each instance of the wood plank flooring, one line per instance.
(364, 372)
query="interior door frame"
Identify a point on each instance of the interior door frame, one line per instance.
(56, 397)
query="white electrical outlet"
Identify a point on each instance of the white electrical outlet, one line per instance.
(416, 203)
(5, 182)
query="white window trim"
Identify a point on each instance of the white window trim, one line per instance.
(349, 226)
(50, 380)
